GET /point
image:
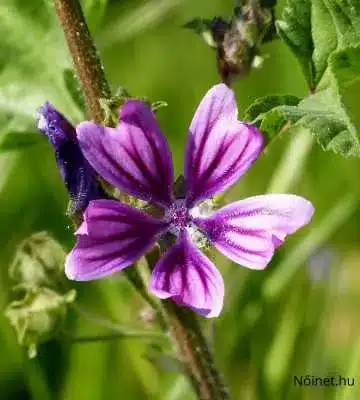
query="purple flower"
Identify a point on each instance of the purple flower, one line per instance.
(76, 172)
(135, 157)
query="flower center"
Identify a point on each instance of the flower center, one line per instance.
(178, 216)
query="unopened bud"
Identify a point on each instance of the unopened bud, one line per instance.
(39, 261)
(38, 317)
(238, 40)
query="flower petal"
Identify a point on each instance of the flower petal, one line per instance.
(220, 149)
(135, 156)
(190, 278)
(112, 237)
(249, 231)
(75, 170)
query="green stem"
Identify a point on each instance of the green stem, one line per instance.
(86, 60)
(196, 353)
(184, 326)
(102, 321)
(193, 348)
(91, 75)
(136, 280)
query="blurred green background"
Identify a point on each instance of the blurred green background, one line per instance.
(298, 317)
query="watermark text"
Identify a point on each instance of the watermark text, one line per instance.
(323, 381)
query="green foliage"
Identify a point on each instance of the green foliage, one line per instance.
(203, 27)
(31, 69)
(319, 114)
(295, 30)
(324, 35)
(323, 44)
(264, 112)
(313, 30)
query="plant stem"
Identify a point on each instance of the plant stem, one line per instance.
(193, 347)
(196, 354)
(134, 276)
(86, 60)
(184, 326)
(94, 84)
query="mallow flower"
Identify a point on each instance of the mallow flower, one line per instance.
(135, 157)
(76, 172)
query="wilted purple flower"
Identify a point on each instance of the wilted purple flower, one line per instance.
(76, 172)
(135, 157)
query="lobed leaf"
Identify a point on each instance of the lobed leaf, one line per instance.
(313, 30)
(295, 30)
(324, 35)
(321, 115)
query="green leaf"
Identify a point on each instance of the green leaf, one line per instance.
(20, 140)
(345, 65)
(203, 27)
(295, 30)
(266, 113)
(199, 25)
(346, 18)
(322, 115)
(325, 37)
(156, 105)
(267, 103)
(33, 55)
(313, 30)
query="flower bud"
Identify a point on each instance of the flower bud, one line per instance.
(76, 172)
(38, 317)
(39, 261)
(238, 41)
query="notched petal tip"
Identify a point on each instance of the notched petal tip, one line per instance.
(220, 148)
(134, 157)
(249, 231)
(189, 278)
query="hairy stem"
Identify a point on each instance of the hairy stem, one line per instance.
(196, 354)
(184, 326)
(95, 86)
(193, 347)
(85, 56)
